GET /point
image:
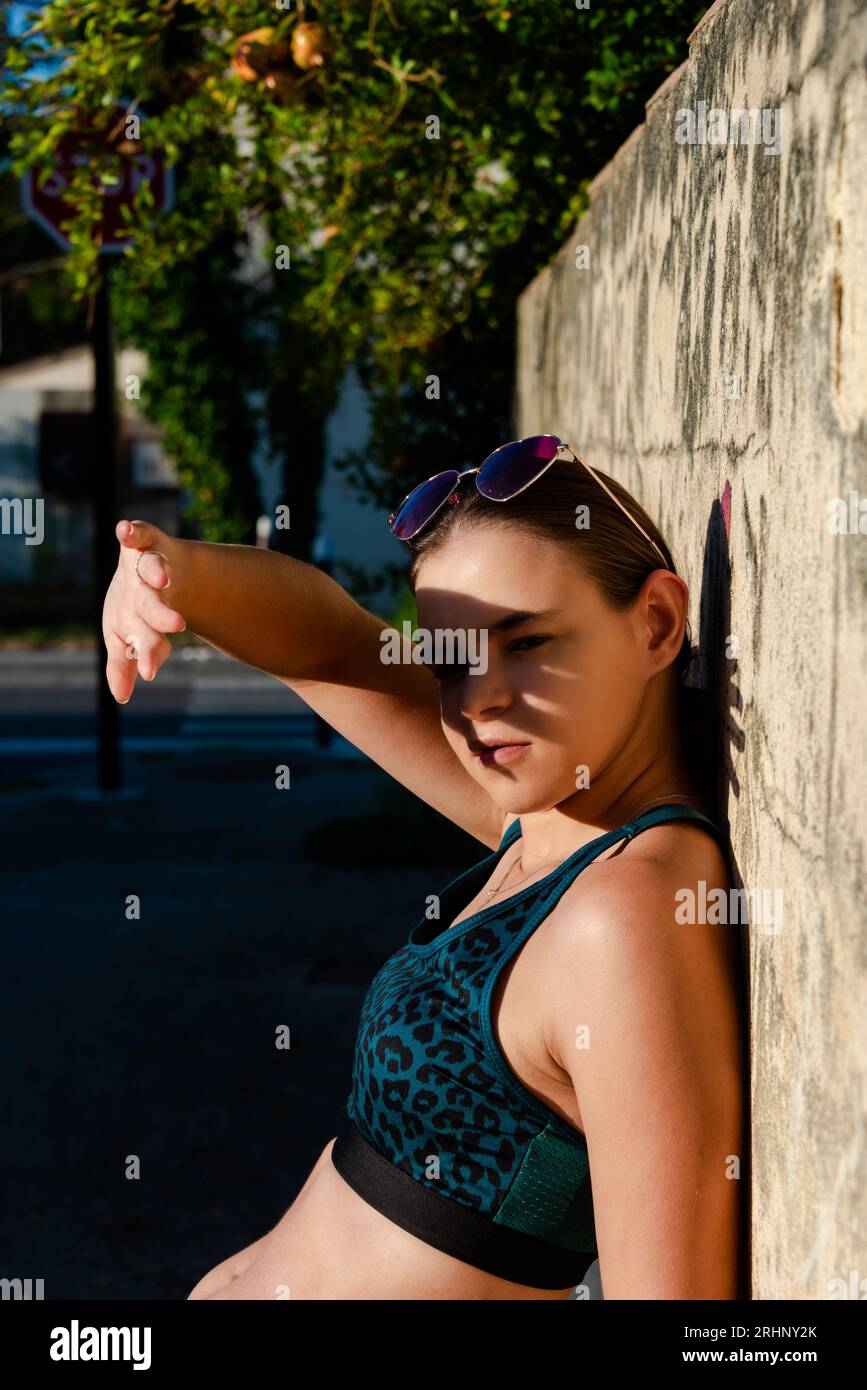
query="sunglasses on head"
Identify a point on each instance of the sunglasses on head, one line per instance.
(504, 473)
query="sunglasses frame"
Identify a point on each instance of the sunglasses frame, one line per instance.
(467, 472)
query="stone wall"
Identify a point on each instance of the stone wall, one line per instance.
(712, 355)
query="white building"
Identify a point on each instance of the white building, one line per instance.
(46, 452)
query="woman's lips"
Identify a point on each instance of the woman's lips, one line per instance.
(506, 753)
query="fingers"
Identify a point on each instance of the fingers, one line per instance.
(144, 651)
(157, 614)
(153, 650)
(139, 653)
(135, 618)
(136, 535)
(152, 570)
(120, 673)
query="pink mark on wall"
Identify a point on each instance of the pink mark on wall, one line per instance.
(726, 501)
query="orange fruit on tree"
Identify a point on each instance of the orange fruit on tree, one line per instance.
(258, 54)
(312, 45)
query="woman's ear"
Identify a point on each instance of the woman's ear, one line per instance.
(663, 608)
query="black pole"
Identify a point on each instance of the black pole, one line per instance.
(105, 542)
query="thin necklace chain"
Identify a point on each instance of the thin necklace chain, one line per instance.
(492, 892)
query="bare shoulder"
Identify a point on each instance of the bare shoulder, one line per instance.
(617, 938)
(639, 882)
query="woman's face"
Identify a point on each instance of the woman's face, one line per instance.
(566, 674)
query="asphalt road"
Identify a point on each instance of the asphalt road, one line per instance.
(151, 1126)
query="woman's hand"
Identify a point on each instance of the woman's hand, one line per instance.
(134, 617)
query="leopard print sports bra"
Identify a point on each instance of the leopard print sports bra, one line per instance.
(439, 1134)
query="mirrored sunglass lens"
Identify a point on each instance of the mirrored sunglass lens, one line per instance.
(515, 465)
(421, 504)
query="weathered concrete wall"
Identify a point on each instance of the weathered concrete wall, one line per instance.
(709, 263)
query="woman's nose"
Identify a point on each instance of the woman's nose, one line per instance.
(483, 693)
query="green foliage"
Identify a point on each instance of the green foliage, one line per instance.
(424, 244)
(204, 364)
(405, 610)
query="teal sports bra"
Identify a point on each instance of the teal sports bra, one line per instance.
(439, 1133)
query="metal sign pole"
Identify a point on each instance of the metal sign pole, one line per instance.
(43, 201)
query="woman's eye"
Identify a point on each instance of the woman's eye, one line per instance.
(457, 669)
(536, 640)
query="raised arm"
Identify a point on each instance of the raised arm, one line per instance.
(295, 622)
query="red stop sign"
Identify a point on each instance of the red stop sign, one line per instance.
(121, 163)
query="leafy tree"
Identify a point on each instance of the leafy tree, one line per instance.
(417, 177)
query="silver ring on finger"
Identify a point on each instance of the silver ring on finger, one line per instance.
(150, 552)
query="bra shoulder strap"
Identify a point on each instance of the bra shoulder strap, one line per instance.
(554, 887)
(660, 815)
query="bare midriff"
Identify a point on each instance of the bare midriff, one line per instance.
(331, 1244)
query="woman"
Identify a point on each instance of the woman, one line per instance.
(551, 1013)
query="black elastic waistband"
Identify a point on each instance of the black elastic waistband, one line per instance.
(449, 1225)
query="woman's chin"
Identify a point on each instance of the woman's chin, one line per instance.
(516, 798)
(519, 790)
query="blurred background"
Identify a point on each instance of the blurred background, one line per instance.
(258, 274)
